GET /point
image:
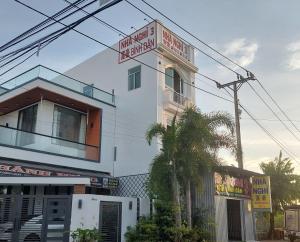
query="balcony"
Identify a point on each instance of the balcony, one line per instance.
(48, 75)
(174, 101)
(47, 144)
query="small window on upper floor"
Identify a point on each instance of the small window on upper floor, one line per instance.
(134, 78)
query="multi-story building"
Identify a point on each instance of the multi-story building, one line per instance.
(83, 132)
(74, 133)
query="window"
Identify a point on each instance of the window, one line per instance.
(27, 122)
(134, 78)
(69, 124)
(173, 80)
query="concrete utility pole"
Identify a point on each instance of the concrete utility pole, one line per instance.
(236, 86)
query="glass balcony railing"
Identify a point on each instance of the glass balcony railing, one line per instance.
(48, 144)
(49, 75)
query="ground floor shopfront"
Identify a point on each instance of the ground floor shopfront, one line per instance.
(47, 203)
(225, 201)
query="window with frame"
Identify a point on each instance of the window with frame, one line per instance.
(69, 124)
(27, 122)
(134, 78)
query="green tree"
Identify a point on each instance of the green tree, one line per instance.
(163, 169)
(285, 185)
(200, 136)
(189, 148)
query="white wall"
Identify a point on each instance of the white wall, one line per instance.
(136, 109)
(249, 233)
(88, 216)
(221, 219)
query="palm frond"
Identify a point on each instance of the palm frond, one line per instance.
(154, 131)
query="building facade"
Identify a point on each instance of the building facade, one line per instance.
(65, 138)
(73, 150)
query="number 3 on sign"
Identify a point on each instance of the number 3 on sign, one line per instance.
(152, 31)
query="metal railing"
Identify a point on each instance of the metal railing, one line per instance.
(49, 75)
(47, 144)
(176, 97)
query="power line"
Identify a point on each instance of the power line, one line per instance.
(201, 51)
(24, 34)
(275, 120)
(72, 25)
(27, 58)
(280, 144)
(274, 113)
(277, 105)
(158, 71)
(195, 37)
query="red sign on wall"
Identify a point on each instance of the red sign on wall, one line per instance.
(140, 42)
(175, 44)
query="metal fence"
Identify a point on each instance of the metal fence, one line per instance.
(132, 186)
(26, 218)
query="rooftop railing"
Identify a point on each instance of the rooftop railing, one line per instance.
(49, 75)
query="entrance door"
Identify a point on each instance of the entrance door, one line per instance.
(110, 221)
(57, 219)
(234, 220)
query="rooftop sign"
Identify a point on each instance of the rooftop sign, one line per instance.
(232, 186)
(174, 44)
(155, 36)
(140, 42)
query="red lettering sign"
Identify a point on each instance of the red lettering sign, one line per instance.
(138, 43)
(175, 44)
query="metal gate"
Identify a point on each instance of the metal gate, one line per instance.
(25, 218)
(110, 221)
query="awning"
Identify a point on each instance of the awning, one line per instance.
(44, 180)
(19, 172)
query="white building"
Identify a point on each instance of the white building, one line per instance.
(73, 133)
(67, 141)
(144, 94)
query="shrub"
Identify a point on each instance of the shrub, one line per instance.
(161, 228)
(86, 235)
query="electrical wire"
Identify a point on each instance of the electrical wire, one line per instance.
(279, 143)
(194, 36)
(274, 113)
(201, 51)
(268, 133)
(72, 25)
(277, 105)
(24, 34)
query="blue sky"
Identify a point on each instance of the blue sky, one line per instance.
(261, 35)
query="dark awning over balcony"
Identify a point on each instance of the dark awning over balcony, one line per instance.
(37, 94)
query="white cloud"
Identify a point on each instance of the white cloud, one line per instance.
(241, 50)
(294, 57)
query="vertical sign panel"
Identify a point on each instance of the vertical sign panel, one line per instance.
(261, 193)
(140, 42)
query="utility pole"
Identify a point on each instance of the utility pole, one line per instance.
(235, 86)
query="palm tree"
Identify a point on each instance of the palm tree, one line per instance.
(285, 185)
(200, 136)
(163, 169)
